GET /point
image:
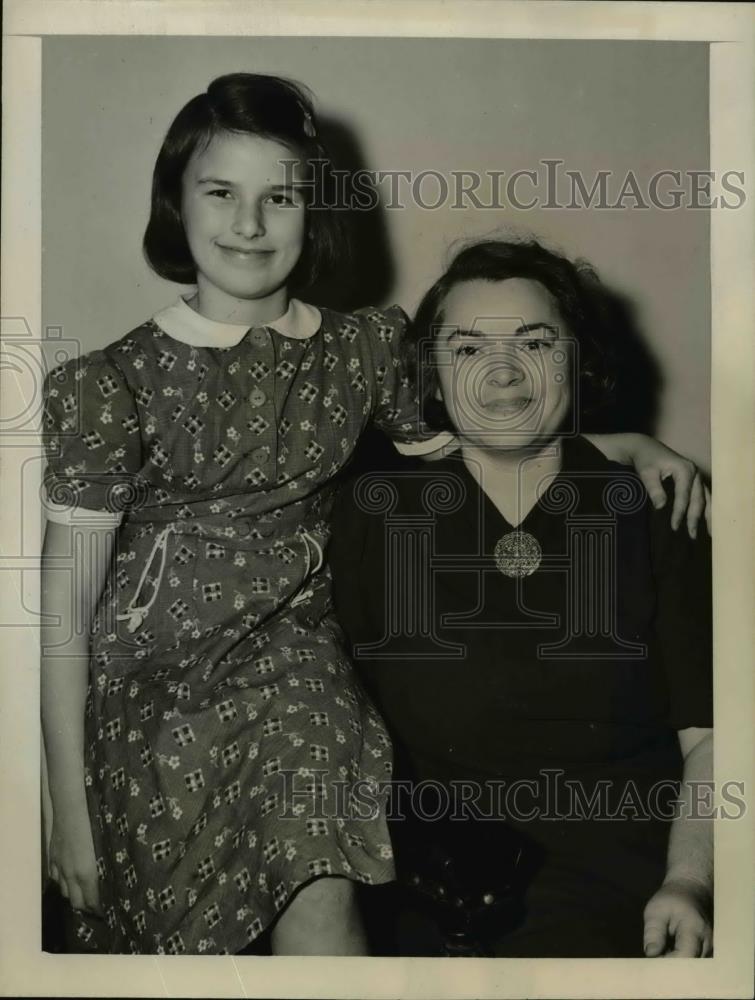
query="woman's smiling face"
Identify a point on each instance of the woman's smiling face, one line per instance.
(504, 362)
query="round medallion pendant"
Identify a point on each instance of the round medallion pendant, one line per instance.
(518, 554)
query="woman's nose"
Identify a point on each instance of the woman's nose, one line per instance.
(505, 373)
(248, 221)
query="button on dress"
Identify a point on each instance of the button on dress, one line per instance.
(227, 740)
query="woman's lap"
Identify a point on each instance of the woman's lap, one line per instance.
(569, 915)
(560, 916)
(573, 893)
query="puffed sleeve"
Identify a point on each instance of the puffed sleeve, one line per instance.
(682, 568)
(397, 412)
(92, 441)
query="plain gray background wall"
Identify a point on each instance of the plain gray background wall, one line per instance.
(409, 104)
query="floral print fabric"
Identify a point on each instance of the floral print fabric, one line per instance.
(225, 731)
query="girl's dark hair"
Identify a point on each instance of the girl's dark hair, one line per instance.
(579, 297)
(250, 104)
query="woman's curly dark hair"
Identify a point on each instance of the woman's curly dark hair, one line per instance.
(579, 296)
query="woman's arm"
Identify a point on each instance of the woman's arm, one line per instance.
(75, 562)
(653, 462)
(681, 911)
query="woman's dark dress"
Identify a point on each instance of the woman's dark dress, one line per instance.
(581, 672)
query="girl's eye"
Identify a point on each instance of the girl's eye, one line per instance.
(281, 199)
(467, 350)
(222, 193)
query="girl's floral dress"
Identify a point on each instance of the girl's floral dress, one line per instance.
(231, 755)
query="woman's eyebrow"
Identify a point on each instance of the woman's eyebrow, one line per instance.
(524, 328)
(460, 332)
(531, 327)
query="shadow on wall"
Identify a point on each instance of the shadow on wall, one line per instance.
(367, 272)
(634, 403)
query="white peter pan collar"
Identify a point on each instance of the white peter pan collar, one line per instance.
(300, 322)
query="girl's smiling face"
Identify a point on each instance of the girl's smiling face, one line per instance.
(245, 226)
(504, 363)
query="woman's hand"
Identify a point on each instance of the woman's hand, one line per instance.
(677, 921)
(72, 861)
(654, 462)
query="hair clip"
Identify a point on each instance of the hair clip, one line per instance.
(309, 125)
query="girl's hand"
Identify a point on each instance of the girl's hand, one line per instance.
(690, 492)
(653, 462)
(72, 862)
(678, 922)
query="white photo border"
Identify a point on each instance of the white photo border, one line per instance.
(24, 969)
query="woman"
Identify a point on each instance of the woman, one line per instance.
(536, 636)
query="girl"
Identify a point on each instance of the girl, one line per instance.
(199, 734)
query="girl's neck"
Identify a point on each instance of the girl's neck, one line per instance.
(514, 480)
(222, 308)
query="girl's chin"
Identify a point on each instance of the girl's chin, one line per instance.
(247, 291)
